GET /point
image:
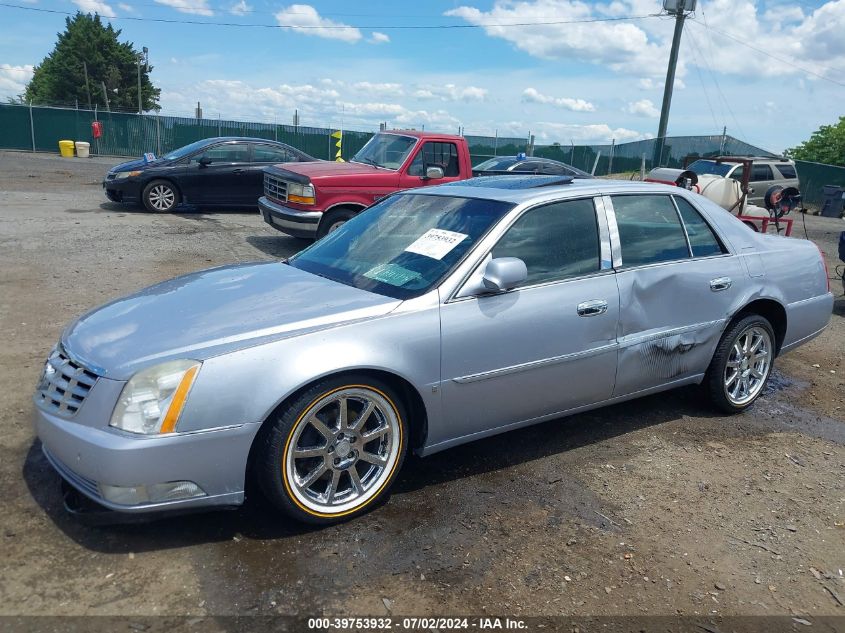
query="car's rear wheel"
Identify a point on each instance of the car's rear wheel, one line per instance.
(741, 365)
(334, 451)
(160, 196)
(333, 220)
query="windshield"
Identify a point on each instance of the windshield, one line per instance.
(184, 151)
(702, 167)
(385, 150)
(402, 247)
(496, 164)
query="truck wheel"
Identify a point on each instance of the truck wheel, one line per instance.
(333, 220)
(160, 196)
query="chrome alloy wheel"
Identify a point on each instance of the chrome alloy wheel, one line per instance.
(342, 451)
(748, 365)
(161, 197)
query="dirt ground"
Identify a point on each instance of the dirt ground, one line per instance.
(657, 506)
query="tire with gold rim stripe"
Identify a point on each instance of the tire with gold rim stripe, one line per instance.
(334, 451)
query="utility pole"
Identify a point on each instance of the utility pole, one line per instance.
(87, 88)
(680, 9)
(146, 58)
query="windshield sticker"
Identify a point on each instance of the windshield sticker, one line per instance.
(436, 243)
(392, 274)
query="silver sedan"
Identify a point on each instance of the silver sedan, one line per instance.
(438, 316)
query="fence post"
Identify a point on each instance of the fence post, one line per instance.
(610, 159)
(158, 135)
(496, 142)
(219, 128)
(31, 126)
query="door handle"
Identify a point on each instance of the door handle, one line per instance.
(237, 171)
(592, 308)
(720, 283)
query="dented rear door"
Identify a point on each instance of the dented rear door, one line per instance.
(674, 297)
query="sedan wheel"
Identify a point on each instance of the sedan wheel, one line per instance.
(748, 365)
(160, 196)
(741, 364)
(338, 454)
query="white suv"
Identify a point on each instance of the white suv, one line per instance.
(765, 172)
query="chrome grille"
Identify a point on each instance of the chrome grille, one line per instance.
(64, 384)
(275, 188)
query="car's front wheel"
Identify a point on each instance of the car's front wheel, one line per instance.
(742, 364)
(334, 451)
(160, 196)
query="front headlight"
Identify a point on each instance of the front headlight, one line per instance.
(303, 194)
(152, 400)
(126, 174)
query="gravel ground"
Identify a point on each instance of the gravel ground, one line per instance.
(657, 506)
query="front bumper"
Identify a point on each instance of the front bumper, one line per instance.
(291, 221)
(123, 190)
(87, 457)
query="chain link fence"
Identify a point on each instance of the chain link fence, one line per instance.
(40, 128)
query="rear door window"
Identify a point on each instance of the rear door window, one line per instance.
(228, 153)
(650, 230)
(271, 154)
(761, 173)
(787, 171)
(702, 239)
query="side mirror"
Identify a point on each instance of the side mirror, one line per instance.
(432, 173)
(205, 161)
(504, 273)
(751, 190)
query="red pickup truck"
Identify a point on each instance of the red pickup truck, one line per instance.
(312, 199)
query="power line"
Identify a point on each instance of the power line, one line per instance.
(339, 27)
(695, 54)
(768, 54)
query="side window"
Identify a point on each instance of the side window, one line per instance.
(737, 173)
(443, 155)
(271, 154)
(649, 230)
(531, 166)
(787, 171)
(228, 153)
(702, 239)
(555, 241)
(760, 173)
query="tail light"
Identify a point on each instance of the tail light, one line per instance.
(824, 263)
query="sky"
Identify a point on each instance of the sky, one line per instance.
(567, 71)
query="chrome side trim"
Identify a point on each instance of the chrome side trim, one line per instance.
(630, 340)
(504, 371)
(615, 246)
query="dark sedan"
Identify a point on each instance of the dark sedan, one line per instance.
(526, 164)
(224, 171)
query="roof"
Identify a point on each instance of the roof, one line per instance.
(424, 134)
(493, 188)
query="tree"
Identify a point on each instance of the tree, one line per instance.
(60, 77)
(826, 145)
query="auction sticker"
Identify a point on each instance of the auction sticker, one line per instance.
(436, 243)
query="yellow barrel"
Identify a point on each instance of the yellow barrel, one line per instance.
(66, 149)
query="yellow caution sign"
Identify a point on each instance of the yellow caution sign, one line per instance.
(339, 145)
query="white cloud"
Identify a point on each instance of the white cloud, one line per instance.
(379, 38)
(126, 8)
(13, 79)
(95, 6)
(380, 89)
(531, 95)
(450, 92)
(194, 7)
(618, 45)
(643, 107)
(308, 22)
(549, 132)
(240, 8)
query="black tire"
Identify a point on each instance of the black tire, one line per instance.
(333, 220)
(280, 475)
(717, 375)
(160, 196)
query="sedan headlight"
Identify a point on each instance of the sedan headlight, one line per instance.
(303, 194)
(152, 400)
(126, 174)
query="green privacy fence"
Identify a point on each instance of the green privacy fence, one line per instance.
(814, 176)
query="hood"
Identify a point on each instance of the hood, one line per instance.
(320, 172)
(137, 164)
(212, 312)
